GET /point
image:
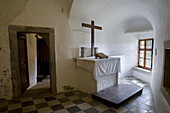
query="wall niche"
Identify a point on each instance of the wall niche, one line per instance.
(166, 81)
(166, 77)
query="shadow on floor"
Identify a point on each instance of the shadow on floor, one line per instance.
(77, 101)
(36, 92)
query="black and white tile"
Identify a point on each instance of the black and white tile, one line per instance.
(79, 102)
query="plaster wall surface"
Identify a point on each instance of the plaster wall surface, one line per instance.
(113, 16)
(110, 14)
(162, 27)
(5, 69)
(39, 13)
(147, 77)
(143, 76)
(32, 59)
(54, 15)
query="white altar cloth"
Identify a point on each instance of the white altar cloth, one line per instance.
(100, 67)
(100, 74)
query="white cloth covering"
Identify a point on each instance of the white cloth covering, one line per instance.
(106, 67)
(100, 67)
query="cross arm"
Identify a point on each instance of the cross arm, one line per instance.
(97, 27)
(86, 25)
(91, 26)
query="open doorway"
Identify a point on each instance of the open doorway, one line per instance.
(29, 38)
(33, 52)
(43, 72)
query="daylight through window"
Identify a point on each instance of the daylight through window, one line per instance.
(145, 53)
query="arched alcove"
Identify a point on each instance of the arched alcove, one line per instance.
(116, 18)
(136, 24)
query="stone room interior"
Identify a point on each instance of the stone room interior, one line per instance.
(85, 56)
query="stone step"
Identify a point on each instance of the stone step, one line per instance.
(118, 94)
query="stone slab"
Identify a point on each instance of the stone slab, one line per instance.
(118, 94)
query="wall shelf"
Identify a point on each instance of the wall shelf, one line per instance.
(138, 32)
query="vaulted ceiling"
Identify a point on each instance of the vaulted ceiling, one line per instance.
(129, 14)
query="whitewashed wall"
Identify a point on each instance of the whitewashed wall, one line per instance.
(39, 13)
(110, 14)
(8, 11)
(32, 59)
(50, 14)
(147, 77)
(136, 72)
(162, 27)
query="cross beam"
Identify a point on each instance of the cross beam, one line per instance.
(92, 26)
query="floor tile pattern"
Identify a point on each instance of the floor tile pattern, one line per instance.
(79, 102)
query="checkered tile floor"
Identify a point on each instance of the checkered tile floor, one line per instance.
(79, 102)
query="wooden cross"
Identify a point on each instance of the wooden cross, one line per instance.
(92, 26)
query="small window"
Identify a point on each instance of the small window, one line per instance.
(145, 53)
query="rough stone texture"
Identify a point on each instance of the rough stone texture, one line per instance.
(13, 30)
(30, 14)
(5, 69)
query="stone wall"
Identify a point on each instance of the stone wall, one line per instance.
(39, 13)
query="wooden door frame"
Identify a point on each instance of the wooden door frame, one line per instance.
(13, 30)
